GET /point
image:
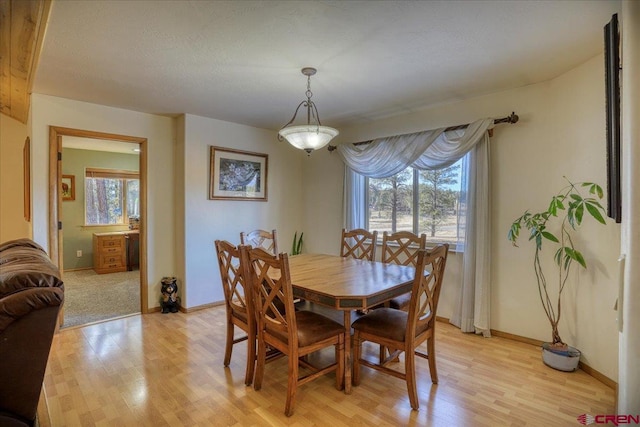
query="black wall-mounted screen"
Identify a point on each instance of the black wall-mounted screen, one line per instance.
(612, 83)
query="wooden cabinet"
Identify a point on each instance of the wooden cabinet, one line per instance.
(109, 252)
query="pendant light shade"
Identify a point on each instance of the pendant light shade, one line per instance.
(313, 135)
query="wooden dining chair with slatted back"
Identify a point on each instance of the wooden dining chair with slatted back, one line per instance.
(295, 333)
(267, 240)
(239, 304)
(359, 243)
(406, 330)
(402, 248)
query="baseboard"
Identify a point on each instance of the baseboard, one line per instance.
(598, 375)
(201, 307)
(586, 368)
(518, 338)
(77, 269)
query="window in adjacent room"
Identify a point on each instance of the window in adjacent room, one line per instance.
(419, 201)
(111, 196)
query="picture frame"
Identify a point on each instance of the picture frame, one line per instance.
(26, 157)
(237, 175)
(68, 190)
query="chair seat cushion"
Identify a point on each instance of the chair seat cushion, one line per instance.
(312, 328)
(401, 302)
(383, 322)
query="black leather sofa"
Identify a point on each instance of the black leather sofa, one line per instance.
(31, 294)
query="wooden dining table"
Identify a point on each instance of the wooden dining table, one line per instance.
(347, 284)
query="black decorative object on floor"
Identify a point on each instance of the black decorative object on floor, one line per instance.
(169, 299)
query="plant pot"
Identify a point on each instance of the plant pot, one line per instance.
(560, 359)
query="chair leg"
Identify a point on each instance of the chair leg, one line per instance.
(292, 385)
(357, 350)
(431, 351)
(261, 360)
(383, 353)
(229, 345)
(251, 358)
(340, 363)
(410, 377)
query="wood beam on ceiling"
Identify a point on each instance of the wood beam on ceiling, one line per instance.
(22, 29)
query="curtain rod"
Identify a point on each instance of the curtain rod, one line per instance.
(512, 118)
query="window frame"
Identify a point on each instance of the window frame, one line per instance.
(416, 204)
(106, 173)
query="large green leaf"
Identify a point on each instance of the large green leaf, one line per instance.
(579, 213)
(593, 210)
(578, 257)
(550, 236)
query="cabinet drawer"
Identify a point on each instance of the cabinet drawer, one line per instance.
(111, 242)
(110, 250)
(109, 261)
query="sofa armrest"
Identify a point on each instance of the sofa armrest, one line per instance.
(28, 320)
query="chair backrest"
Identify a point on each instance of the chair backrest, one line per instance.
(402, 247)
(359, 243)
(237, 292)
(426, 289)
(272, 294)
(266, 240)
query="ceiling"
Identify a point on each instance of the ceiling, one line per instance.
(240, 61)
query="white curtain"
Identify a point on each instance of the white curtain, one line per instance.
(354, 204)
(472, 313)
(435, 149)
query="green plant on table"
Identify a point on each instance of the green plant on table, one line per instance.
(570, 208)
(296, 247)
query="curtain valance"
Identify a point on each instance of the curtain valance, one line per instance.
(431, 149)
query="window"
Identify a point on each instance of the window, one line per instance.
(419, 201)
(111, 196)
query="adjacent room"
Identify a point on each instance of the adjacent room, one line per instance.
(319, 212)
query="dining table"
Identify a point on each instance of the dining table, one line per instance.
(347, 284)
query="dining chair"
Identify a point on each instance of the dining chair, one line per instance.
(359, 243)
(264, 239)
(239, 304)
(295, 333)
(402, 248)
(405, 330)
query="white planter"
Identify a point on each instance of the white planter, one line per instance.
(561, 360)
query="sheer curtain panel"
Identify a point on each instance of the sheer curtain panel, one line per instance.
(431, 150)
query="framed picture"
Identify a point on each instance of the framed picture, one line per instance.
(26, 157)
(68, 187)
(237, 175)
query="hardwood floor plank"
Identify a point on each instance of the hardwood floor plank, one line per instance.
(167, 370)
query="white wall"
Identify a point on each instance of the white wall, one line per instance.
(207, 220)
(561, 132)
(52, 111)
(12, 138)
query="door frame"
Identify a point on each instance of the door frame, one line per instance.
(55, 196)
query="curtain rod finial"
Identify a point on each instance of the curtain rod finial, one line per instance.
(513, 118)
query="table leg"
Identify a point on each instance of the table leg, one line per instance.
(347, 352)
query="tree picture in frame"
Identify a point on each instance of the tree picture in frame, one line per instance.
(237, 175)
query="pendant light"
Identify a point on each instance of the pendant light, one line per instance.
(312, 135)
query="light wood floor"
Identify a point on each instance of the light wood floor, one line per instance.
(166, 370)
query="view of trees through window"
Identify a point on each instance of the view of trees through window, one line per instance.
(111, 199)
(419, 201)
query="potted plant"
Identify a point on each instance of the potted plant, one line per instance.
(569, 207)
(296, 247)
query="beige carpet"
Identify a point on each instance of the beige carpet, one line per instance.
(91, 297)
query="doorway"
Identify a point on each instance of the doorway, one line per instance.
(57, 136)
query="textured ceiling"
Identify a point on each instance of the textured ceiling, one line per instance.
(240, 61)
